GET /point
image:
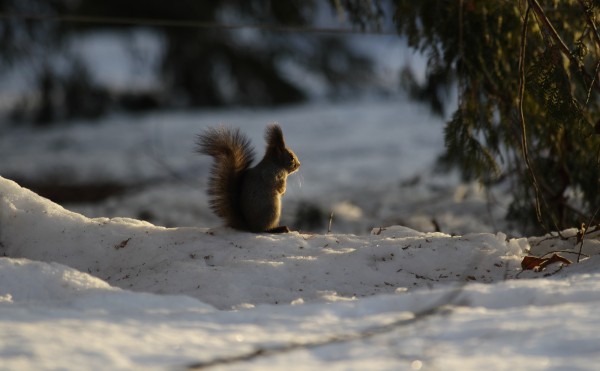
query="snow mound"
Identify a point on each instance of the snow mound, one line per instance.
(80, 293)
(227, 269)
(26, 281)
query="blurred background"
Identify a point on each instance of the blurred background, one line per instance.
(70, 59)
(100, 102)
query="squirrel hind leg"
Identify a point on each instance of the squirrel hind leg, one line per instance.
(280, 229)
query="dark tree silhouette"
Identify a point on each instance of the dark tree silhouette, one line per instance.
(204, 63)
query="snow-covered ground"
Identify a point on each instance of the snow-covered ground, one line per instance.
(109, 291)
(80, 293)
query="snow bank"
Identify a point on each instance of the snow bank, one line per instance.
(428, 300)
(226, 268)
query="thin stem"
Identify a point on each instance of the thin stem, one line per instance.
(584, 232)
(524, 147)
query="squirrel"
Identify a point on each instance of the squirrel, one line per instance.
(247, 198)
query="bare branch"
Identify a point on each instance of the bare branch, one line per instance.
(524, 146)
(541, 15)
(584, 232)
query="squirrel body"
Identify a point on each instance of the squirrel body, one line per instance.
(247, 198)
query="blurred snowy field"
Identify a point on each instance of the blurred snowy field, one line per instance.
(370, 162)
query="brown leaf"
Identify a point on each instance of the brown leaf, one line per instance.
(538, 264)
(530, 262)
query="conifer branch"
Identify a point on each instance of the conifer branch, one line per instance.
(590, 22)
(549, 28)
(596, 37)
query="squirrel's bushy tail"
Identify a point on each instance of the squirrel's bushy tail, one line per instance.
(233, 155)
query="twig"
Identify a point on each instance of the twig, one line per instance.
(589, 93)
(545, 274)
(551, 237)
(585, 229)
(524, 149)
(539, 12)
(440, 308)
(560, 268)
(564, 238)
(564, 252)
(539, 198)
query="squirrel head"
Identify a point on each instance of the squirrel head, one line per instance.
(277, 150)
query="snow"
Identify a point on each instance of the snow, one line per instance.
(119, 293)
(92, 286)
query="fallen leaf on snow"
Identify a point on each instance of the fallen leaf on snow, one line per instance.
(538, 264)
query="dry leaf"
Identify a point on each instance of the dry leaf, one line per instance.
(538, 264)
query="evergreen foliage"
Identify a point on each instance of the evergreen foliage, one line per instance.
(543, 140)
(478, 45)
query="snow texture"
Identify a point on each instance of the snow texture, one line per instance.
(81, 293)
(83, 289)
(91, 286)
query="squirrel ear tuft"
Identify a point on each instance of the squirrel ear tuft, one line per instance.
(274, 136)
